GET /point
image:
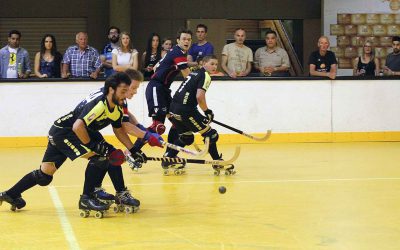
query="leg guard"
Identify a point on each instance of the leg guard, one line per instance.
(212, 134)
(41, 178)
(99, 161)
(186, 139)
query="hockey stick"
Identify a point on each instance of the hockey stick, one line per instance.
(131, 161)
(264, 138)
(197, 153)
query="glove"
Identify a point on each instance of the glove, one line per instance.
(153, 139)
(141, 127)
(139, 156)
(209, 114)
(102, 148)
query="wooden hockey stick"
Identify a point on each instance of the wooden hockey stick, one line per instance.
(263, 138)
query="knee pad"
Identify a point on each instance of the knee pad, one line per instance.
(212, 134)
(187, 139)
(99, 161)
(41, 178)
(157, 127)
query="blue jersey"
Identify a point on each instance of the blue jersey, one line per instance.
(201, 50)
(170, 65)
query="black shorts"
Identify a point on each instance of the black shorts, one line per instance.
(63, 143)
(189, 121)
(158, 99)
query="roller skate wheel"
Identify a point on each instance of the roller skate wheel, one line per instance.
(84, 214)
(177, 172)
(165, 172)
(216, 172)
(116, 209)
(1, 202)
(98, 215)
(13, 208)
(136, 169)
(121, 208)
(135, 209)
(128, 210)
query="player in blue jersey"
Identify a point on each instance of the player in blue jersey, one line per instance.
(158, 92)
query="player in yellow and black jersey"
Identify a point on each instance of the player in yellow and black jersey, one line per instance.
(76, 135)
(185, 115)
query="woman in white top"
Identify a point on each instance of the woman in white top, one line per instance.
(124, 57)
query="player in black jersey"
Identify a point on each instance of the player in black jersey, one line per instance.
(76, 135)
(158, 93)
(186, 116)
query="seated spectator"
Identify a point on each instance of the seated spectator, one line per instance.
(152, 55)
(48, 60)
(166, 46)
(201, 48)
(392, 66)
(237, 57)
(271, 60)
(81, 60)
(14, 60)
(106, 56)
(125, 57)
(323, 61)
(367, 64)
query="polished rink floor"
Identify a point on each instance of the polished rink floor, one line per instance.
(284, 196)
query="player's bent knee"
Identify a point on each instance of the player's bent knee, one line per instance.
(212, 134)
(157, 127)
(99, 161)
(41, 178)
(187, 139)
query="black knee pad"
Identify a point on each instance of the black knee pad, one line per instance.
(99, 161)
(212, 134)
(41, 178)
(187, 139)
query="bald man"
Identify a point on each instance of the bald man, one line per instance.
(323, 61)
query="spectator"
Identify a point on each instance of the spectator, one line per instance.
(201, 48)
(166, 46)
(48, 59)
(323, 61)
(152, 54)
(14, 60)
(271, 60)
(367, 64)
(237, 57)
(125, 57)
(81, 60)
(392, 66)
(106, 57)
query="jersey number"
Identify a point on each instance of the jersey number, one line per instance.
(184, 83)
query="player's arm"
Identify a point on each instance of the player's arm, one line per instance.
(132, 119)
(201, 99)
(123, 137)
(80, 130)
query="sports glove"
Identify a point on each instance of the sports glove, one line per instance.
(141, 127)
(139, 156)
(209, 114)
(101, 148)
(153, 139)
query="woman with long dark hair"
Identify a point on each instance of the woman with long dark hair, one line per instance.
(152, 54)
(48, 60)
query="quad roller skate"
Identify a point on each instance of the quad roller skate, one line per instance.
(87, 204)
(15, 203)
(103, 196)
(229, 169)
(177, 168)
(126, 202)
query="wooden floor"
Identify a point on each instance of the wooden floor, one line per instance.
(284, 196)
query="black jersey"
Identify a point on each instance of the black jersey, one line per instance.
(185, 96)
(95, 112)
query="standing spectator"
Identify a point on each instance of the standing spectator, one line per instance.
(201, 48)
(48, 59)
(392, 66)
(237, 57)
(166, 46)
(367, 64)
(14, 60)
(125, 57)
(81, 60)
(106, 57)
(152, 54)
(323, 61)
(271, 60)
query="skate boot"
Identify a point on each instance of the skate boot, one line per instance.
(15, 203)
(90, 203)
(177, 168)
(103, 196)
(126, 202)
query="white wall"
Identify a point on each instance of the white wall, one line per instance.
(29, 109)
